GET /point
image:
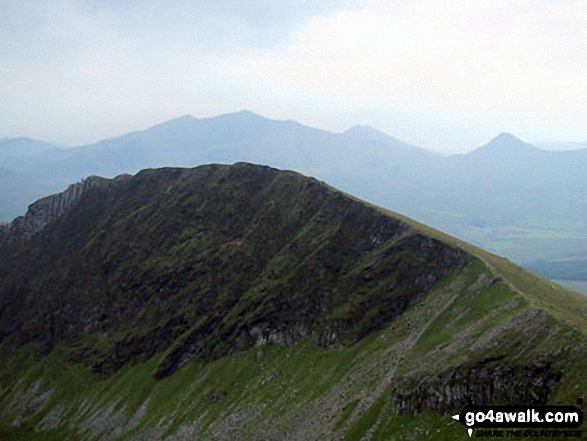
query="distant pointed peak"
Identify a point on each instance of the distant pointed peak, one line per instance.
(187, 116)
(240, 115)
(245, 112)
(359, 128)
(506, 137)
(506, 143)
(25, 145)
(241, 112)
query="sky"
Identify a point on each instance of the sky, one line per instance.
(443, 74)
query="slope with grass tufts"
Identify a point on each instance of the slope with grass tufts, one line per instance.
(244, 302)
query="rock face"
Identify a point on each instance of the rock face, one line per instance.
(479, 385)
(46, 210)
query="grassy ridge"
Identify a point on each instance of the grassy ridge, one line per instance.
(247, 252)
(563, 303)
(421, 312)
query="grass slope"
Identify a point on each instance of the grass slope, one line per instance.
(488, 315)
(295, 392)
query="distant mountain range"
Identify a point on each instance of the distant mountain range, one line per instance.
(508, 196)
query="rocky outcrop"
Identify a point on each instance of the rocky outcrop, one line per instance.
(46, 210)
(480, 385)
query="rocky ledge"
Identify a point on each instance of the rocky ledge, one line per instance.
(46, 210)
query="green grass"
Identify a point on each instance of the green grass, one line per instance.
(285, 377)
(425, 426)
(366, 421)
(561, 302)
(346, 389)
(276, 390)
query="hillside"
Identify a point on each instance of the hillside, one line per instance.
(507, 196)
(244, 302)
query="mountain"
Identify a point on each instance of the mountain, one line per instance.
(15, 150)
(21, 177)
(188, 141)
(245, 302)
(369, 135)
(507, 196)
(528, 200)
(504, 147)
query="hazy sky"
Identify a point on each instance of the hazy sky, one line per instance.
(447, 75)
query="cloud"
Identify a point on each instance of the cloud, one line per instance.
(79, 69)
(432, 72)
(523, 57)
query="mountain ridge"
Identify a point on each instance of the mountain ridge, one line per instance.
(245, 113)
(525, 204)
(169, 302)
(325, 197)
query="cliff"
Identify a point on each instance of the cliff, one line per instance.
(46, 210)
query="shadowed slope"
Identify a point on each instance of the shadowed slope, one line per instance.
(244, 302)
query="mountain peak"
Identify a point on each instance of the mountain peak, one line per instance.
(506, 137)
(505, 144)
(23, 140)
(183, 119)
(246, 112)
(243, 113)
(186, 117)
(243, 116)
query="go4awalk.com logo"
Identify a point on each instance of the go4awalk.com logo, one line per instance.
(522, 421)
